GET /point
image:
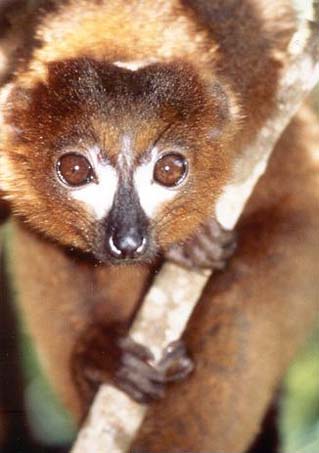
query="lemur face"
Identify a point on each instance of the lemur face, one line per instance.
(116, 162)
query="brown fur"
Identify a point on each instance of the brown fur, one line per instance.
(52, 117)
(214, 78)
(205, 97)
(253, 317)
(245, 331)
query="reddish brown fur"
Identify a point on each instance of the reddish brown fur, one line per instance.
(190, 65)
(252, 318)
(244, 332)
(56, 114)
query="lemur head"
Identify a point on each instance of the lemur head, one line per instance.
(116, 161)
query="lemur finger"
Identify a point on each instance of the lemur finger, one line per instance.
(212, 249)
(137, 366)
(177, 255)
(138, 394)
(128, 377)
(198, 256)
(128, 345)
(176, 364)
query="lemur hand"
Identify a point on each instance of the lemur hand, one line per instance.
(106, 355)
(209, 248)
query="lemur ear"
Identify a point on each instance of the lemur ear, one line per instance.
(226, 110)
(5, 92)
(14, 104)
(221, 96)
(13, 33)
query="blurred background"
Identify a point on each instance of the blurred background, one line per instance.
(52, 429)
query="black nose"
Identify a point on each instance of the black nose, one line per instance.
(127, 243)
(127, 228)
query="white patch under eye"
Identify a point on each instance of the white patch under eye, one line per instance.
(98, 196)
(152, 196)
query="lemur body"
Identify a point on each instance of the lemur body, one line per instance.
(119, 131)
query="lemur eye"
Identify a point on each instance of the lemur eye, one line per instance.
(75, 169)
(170, 170)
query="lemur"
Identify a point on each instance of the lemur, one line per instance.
(119, 129)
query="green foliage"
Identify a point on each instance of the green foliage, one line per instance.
(300, 407)
(49, 421)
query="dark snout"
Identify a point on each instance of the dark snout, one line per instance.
(127, 235)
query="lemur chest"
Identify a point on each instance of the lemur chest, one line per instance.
(117, 291)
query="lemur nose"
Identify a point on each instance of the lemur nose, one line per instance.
(127, 244)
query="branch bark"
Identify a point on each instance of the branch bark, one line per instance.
(114, 418)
